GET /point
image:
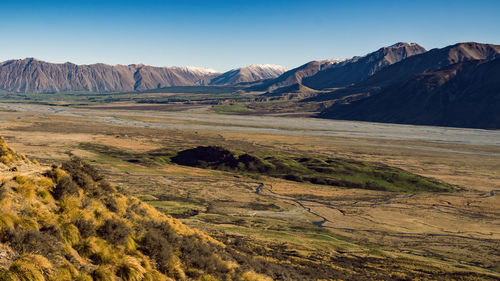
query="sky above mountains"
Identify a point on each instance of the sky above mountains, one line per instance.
(226, 34)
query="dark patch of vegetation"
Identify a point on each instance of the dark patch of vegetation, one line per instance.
(114, 231)
(338, 172)
(201, 255)
(333, 171)
(219, 158)
(46, 241)
(65, 186)
(157, 243)
(86, 227)
(186, 214)
(206, 157)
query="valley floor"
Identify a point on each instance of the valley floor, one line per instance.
(458, 232)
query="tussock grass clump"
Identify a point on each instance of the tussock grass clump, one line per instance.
(254, 276)
(130, 269)
(29, 267)
(9, 157)
(8, 220)
(103, 273)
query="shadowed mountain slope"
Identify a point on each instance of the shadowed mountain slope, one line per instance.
(429, 61)
(465, 94)
(337, 73)
(357, 69)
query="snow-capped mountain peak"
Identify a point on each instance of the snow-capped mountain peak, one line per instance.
(249, 73)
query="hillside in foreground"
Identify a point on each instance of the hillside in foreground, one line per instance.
(70, 224)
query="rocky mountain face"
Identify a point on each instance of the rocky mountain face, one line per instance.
(454, 86)
(34, 76)
(249, 73)
(429, 61)
(359, 68)
(320, 75)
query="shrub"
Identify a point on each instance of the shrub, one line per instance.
(77, 167)
(116, 203)
(202, 255)
(64, 186)
(155, 245)
(86, 175)
(33, 241)
(86, 227)
(114, 231)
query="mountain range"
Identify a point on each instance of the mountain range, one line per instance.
(465, 94)
(34, 76)
(456, 85)
(326, 74)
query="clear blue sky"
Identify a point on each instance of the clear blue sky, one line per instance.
(227, 34)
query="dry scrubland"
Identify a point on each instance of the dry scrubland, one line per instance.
(302, 230)
(69, 223)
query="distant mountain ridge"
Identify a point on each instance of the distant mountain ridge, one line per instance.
(33, 76)
(358, 68)
(457, 86)
(432, 60)
(319, 75)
